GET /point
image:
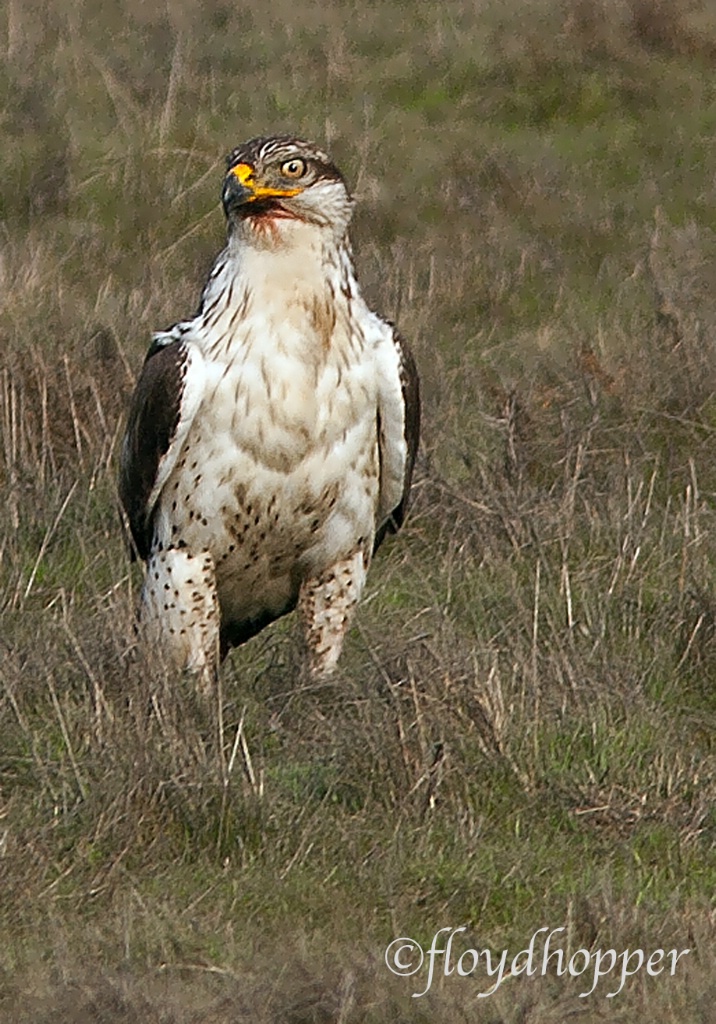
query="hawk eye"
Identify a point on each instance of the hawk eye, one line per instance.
(295, 168)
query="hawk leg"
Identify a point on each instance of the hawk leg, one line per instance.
(180, 612)
(326, 604)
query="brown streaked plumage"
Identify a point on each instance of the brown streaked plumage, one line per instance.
(271, 439)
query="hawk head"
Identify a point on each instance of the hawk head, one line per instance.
(279, 178)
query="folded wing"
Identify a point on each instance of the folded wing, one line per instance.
(398, 430)
(165, 401)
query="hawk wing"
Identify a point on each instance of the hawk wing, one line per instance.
(165, 401)
(398, 430)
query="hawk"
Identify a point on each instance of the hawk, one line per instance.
(271, 438)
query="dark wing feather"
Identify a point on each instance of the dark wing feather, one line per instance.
(154, 416)
(410, 390)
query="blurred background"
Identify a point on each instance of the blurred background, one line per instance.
(521, 733)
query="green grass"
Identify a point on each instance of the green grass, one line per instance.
(521, 733)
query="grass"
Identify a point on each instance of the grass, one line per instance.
(521, 733)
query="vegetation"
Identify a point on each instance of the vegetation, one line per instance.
(521, 733)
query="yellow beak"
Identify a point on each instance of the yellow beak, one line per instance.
(252, 190)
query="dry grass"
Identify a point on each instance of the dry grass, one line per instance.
(521, 733)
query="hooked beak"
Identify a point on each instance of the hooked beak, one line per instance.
(241, 187)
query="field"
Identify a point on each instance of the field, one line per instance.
(521, 732)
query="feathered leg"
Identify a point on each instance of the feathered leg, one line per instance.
(326, 605)
(179, 611)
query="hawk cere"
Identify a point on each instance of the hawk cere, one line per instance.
(271, 438)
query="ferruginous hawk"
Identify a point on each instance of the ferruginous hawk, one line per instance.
(271, 438)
